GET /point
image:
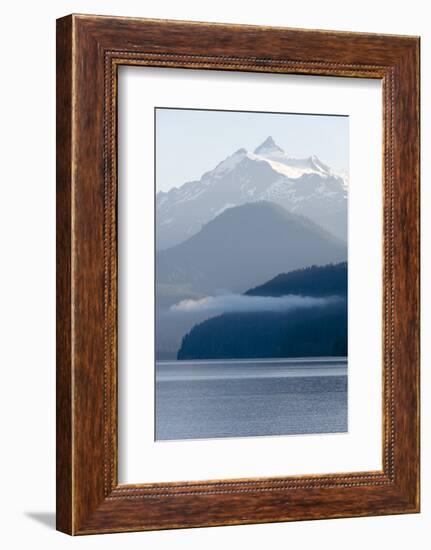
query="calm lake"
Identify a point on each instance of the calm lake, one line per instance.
(257, 397)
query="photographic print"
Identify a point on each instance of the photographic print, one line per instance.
(251, 274)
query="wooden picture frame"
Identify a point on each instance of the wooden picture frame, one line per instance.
(89, 52)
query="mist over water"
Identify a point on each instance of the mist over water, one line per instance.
(243, 303)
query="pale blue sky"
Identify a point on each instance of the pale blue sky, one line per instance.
(191, 142)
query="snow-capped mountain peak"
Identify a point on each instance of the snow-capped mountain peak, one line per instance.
(302, 185)
(268, 147)
(292, 168)
(271, 153)
(230, 162)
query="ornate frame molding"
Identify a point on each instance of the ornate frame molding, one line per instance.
(90, 49)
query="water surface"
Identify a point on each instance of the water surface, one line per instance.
(257, 397)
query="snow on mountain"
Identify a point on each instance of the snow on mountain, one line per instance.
(304, 186)
(292, 168)
(268, 147)
(229, 163)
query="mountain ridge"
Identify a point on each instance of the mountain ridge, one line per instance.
(305, 186)
(326, 280)
(245, 245)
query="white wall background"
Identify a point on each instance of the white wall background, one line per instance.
(27, 244)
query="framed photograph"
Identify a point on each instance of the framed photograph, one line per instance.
(237, 274)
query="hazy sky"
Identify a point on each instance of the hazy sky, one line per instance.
(191, 142)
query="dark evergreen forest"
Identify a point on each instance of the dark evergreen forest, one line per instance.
(312, 331)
